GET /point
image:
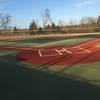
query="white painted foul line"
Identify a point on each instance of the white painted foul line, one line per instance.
(87, 43)
(85, 50)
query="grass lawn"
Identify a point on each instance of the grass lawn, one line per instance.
(24, 81)
(67, 42)
(57, 41)
(6, 52)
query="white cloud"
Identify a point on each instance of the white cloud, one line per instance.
(86, 3)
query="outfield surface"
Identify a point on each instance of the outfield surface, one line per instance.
(50, 68)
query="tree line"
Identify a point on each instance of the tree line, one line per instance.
(48, 24)
(72, 26)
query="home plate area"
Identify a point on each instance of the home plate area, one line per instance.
(60, 56)
(60, 52)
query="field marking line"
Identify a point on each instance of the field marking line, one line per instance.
(81, 52)
(55, 54)
(87, 43)
(46, 49)
(3, 54)
(85, 49)
(58, 51)
(40, 54)
(50, 55)
(65, 50)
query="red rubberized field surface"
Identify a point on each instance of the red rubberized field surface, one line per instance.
(58, 55)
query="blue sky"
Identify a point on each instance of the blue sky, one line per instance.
(23, 11)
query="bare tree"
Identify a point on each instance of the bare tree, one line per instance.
(46, 17)
(98, 21)
(4, 21)
(91, 20)
(72, 22)
(83, 21)
(62, 23)
(88, 20)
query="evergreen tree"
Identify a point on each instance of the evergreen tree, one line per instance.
(48, 26)
(53, 26)
(58, 27)
(40, 30)
(15, 30)
(33, 27)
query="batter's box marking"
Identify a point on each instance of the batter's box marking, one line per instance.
(63, 51)
(45, 53)
(54, 52)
